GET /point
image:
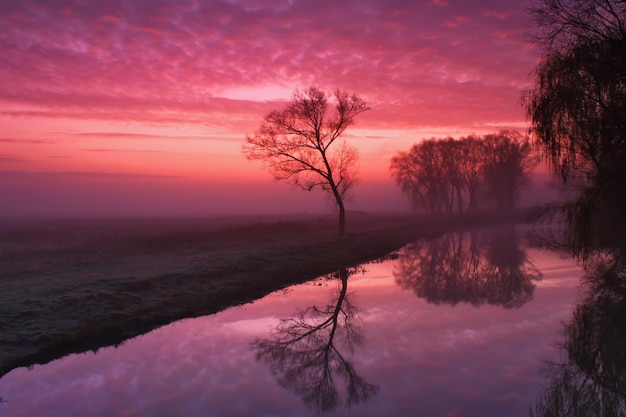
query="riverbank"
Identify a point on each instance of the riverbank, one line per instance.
(76, 285)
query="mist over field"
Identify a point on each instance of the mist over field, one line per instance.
(76, 194)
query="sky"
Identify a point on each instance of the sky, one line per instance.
(140, 107)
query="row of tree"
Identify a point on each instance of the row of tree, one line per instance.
(465, 175)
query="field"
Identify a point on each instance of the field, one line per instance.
(72, 285)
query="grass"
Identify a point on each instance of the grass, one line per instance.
(76, 285)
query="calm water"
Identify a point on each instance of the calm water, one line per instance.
(458, 326)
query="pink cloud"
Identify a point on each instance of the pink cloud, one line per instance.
(178, 55)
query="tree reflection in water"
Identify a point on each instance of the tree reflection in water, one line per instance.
(306, 353)
(590, 379)
(458, 268)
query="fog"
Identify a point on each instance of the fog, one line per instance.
(114, 195)
(76, 194)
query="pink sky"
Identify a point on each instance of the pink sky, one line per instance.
(141, 107)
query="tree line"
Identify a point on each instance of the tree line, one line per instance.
(465, 175)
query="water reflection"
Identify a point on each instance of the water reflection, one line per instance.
(427, 359)
(307, 352)
(591, 378)
(459, 268)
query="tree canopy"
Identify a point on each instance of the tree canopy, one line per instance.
(301, 144)
(447, 175)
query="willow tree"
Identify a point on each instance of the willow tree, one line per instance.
(578, 105)
(302, 145)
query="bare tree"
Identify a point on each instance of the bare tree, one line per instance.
(438, 174)
(507, 167)
(301, 144)
(423, 176)
(565, 24)
(470, 162)
(451, 157)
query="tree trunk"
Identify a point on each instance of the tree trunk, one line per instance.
(340, 206)
(342, 217)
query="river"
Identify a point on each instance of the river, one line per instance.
(456, 326)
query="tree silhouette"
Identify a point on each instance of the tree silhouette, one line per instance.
(305, 354)
(457, 268)
(444, 175)
(508, 161)
(420, 175)
(578, 108)
(578, 114)
(301, 144)
(469, 160)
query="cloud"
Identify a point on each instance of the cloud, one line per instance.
(121, 135)
(147, 136)
(103, 76)
(7, 158)
(124, 150)
(30, 141)
(174, 61)
(34, 175)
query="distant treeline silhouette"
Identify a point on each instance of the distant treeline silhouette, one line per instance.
(465, 175)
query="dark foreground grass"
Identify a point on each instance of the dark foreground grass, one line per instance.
(75, 285)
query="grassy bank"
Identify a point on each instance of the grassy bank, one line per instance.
(75, 285)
